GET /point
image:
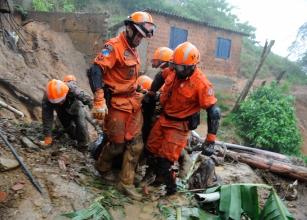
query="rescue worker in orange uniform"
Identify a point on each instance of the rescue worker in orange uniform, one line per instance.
(113, 79)
(186, 91)
(67, 99)
(161, 58)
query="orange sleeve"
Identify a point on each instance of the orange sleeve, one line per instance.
(107, 57)
(206, 95)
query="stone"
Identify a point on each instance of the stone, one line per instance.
(29, 144)
(7, 164)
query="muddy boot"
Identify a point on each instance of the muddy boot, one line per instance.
(131, 156)
(107, 155)
(185, 164)
(130, 191)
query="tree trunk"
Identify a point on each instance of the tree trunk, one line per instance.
(266, 50)
(284, 169)
(255, 151)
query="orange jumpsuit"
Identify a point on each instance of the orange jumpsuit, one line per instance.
(121, 65)
(123, 123)
(179, 99)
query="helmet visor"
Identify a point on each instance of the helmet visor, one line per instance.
(177, 67)
(145, 28)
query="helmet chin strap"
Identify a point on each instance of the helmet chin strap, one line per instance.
(187, 72)
(130, 37)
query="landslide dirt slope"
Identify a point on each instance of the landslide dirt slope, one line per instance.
(45, 55)
(301, 111)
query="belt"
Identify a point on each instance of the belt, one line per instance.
(172, 118)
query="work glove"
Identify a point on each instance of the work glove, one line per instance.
(100, 109)
(208, 145)
(149, 97)
(46, 142)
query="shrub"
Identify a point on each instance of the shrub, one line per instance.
(267, 119)
(42, 5)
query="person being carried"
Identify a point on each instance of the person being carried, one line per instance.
(113, 80)
(186, 91)
(161, 59)
(67, 99)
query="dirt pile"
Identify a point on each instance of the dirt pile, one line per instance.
(57, 169)
(301, 108)
(45, 55)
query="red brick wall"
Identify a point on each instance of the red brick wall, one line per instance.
(204, 38)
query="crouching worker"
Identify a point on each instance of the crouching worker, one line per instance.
(186, 91)
(67, 99)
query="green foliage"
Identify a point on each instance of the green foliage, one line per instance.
(58, 5)
(236, 200)
(95, 211)
(242, 199)
(67, 5)
(42, 5)
(109, 198)
(275, 209)
(267, 119)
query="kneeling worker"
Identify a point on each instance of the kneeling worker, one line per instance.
(67, 100)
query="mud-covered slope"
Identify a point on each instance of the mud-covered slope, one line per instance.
(45, 55)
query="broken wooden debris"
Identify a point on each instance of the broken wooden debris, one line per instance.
(25, 169)
(12, 109)
(279, 167)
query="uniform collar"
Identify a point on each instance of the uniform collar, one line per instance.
(123, 39)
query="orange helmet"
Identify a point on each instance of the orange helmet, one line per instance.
(164, 54)
(144, 82)
(68, 78)
(143, 22)
(56, 91)
(186, 54)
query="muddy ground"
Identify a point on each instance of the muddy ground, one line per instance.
(70, 182)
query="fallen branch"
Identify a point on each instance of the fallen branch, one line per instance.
(250, 150)
(265, 52)
(25, 169)
(12, 109)
(285, 169)
(259, 152)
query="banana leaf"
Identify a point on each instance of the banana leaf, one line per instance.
(95, 211)
(274, 209)
(168, 213)
(239, 199)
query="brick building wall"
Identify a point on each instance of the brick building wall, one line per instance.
(204, 38)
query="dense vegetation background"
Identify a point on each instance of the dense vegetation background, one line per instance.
(218, 12)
